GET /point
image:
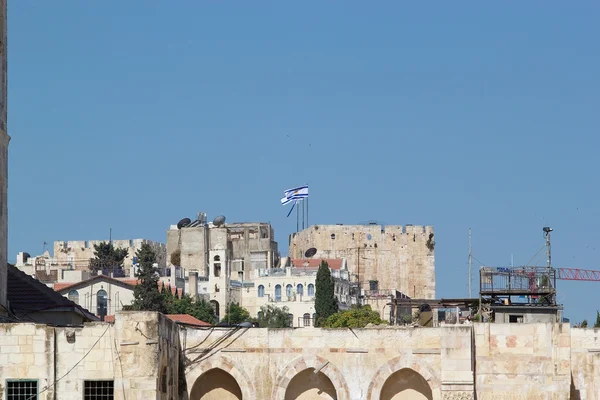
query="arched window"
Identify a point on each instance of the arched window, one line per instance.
(291, 320)
(277, 292)
(307, 319)
(288, 290)
(261, 291)
(101, 303)
(73, 296)
(217, 258)
(311, 289)
(300, 289)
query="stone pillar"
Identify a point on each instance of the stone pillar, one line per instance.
(193, 284)
(4, 139)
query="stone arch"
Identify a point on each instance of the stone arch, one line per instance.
(301, 364)
(398, 364)
(227, 365)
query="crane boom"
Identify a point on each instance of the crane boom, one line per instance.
(576, 274)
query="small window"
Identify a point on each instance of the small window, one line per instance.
(300, 289)
(21, 390)
(217, 269)
(311, 289)
(101, 303)
(73, 296)
(332, 236)
(99, 390)
(306, 319)
(515, 319)
(217, 258)
(288, 290)
(261, 291)
(291, 320)
(278, 293)
(374, 285)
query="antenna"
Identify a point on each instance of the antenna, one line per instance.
(547, 231)
(470, 265)
(218, 221)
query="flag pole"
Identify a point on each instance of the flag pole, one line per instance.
(302, 214)
(307, 212)
(297, 217)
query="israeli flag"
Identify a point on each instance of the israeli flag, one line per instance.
(297, 193)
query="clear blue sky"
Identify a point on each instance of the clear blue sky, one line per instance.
(133, 114)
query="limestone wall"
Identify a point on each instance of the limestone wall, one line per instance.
(61, 359)
(398, 257)
(585, 364)
(269, 363)
(522, 361)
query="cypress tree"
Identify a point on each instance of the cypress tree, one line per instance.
(325, 301)
(146, 295)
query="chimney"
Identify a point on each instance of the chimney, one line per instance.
(193, 284)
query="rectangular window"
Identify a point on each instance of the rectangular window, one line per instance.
(99, 390)
(21, 390)
(515, 319)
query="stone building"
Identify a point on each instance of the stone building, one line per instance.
(148, 356)
(76, 254)
(250, 246)
(4, 139)
(292, 287)
(381, 259)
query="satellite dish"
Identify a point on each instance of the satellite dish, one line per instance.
(183, 223)
(310, 252)
(218, 221)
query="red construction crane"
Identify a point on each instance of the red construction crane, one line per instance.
(576, 274)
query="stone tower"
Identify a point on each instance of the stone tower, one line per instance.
(4, 139)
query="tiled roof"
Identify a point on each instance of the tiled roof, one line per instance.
(177, 318)
(65, 286)
(27, 295)
(186, 319)
(334, 263)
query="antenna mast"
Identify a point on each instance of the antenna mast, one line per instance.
(470, 265)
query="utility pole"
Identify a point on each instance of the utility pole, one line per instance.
(470, 265)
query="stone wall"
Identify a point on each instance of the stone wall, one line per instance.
(398, 257)
(269, 363)
(61, 359)
(4, 139)
(585, 364)
(522, 361)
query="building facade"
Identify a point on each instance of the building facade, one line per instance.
(147, 356)
(380, 258)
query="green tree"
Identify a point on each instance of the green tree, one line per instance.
(146, 294)
(107, 257)
(356, 317)
(200, 309)
(273, 317)
(236, 314)
(325, 300)
(584, 324)
(597, 324)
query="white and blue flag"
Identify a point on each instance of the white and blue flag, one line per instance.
(294, 196)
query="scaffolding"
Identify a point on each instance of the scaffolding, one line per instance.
(516, 286)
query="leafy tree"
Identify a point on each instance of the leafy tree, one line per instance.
(325, 300)
(597, 324)
(584, 324)
(107, 257)
(200, 309)
(356, 317)
(236, 314)
(273, 317)
(146, 295)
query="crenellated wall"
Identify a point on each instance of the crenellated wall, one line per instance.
(398, 257)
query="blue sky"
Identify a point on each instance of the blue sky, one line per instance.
(132, 115)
